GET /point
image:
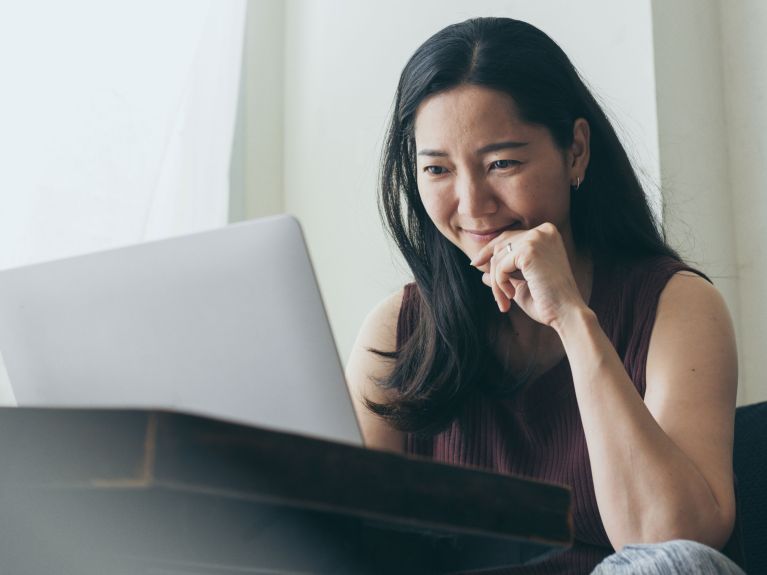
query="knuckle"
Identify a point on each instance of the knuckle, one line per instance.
(548, 228)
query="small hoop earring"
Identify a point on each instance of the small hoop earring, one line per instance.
(577, 183)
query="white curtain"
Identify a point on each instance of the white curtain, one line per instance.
(116, 122)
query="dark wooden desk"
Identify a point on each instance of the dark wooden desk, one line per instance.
(135, 491)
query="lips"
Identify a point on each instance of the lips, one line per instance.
(489, 234)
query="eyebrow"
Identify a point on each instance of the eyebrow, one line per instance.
(483, 150)
(500, 146)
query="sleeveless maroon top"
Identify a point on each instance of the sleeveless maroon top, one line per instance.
(538, 432)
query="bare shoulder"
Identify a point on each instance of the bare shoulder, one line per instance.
(379, 329)
(378, 332)
(693, 334)
(690, 290)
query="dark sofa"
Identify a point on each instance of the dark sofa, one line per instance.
(750, 461)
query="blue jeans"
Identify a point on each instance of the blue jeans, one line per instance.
(669, 558)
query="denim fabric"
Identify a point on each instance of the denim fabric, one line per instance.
(669, 558)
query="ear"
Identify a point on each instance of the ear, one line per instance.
(579, 152)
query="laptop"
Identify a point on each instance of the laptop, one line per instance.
(226, 323)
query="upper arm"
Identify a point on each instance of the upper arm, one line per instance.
(692, 377)
(378, 331)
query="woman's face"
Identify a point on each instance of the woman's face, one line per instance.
(482, 170)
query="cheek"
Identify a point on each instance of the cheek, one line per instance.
(436, 208)
(548, 196)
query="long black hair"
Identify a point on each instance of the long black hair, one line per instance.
(447, 358)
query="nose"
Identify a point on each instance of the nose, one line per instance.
(475, 197)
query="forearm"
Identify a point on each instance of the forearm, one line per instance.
(647, 489)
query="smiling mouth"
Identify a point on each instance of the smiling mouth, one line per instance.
(487, 235)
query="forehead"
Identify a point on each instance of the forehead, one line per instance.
(471, 114)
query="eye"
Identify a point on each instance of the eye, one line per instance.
(435, 170)
(504, 164)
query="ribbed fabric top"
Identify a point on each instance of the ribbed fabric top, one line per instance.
(538, 432)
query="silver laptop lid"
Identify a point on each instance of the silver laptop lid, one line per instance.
(227, 323)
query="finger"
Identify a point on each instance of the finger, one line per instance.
(504, 304)
(484, 267)
(483, 255)
(511, 290)
(482, 261)
(522, 292)
(502, 279)
(500, 298)
(487, 251)
(518, 284)
(506, 259)
(508, 289)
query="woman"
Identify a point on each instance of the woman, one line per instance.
(550, 330)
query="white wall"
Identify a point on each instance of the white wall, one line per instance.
(257, 162)
(744, 58)
(342, 61)
(712, 85)
(692, 129)
(116, 120)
